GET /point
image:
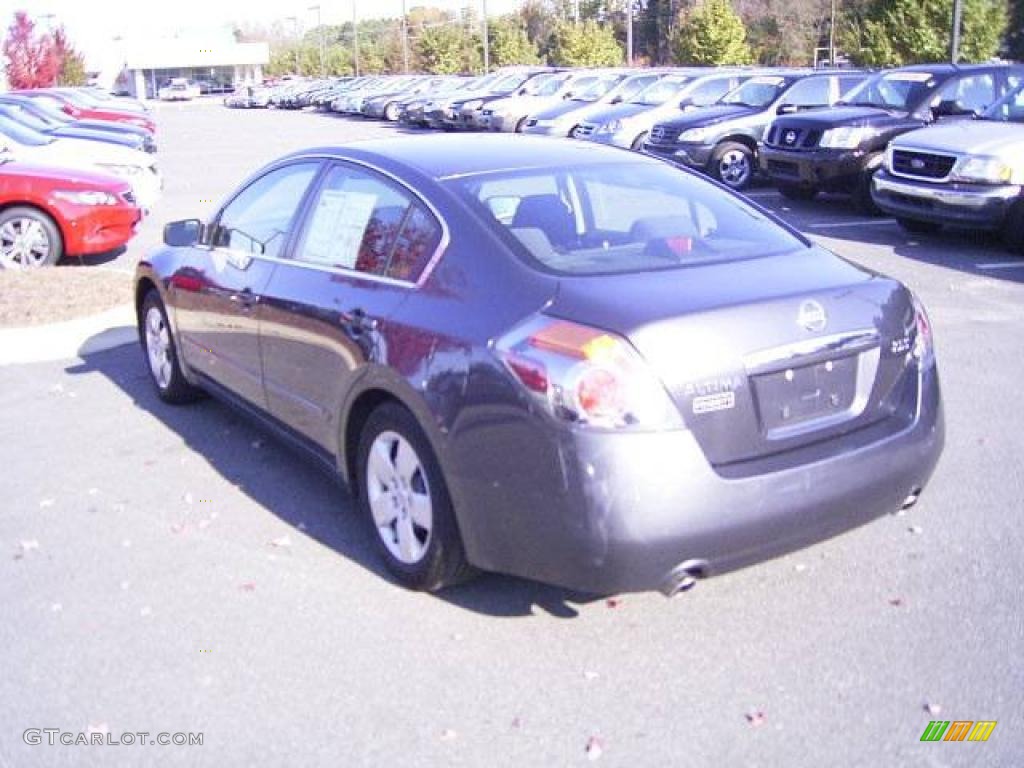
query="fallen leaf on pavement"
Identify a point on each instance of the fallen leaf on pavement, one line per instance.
(282, 542)
(613, 602)
(896, 601)
(756, 717)
(247, 586)
(932, 709)
(517, 723)
(594, 748)
(448, 735)
(915, 529)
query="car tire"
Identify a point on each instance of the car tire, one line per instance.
(863, 202)
(917, 227)
(732, 163)
(638, 142)
(391, 112)
(1013, 228)
(162, 354)
(48, 245)
(403, 495)
(796, 192)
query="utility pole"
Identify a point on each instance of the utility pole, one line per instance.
(576, 11)
(954, 43)
(629, 33)
(832, 37)
(405, 37)
(355, 38)
(487, 43)
(323, 43)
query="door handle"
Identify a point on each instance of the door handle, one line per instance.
(358, 320)
(246, 298)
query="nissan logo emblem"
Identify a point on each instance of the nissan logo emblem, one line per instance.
(790, 137)
(812, 316)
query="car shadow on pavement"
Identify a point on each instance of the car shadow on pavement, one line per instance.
(292, 486)
(95, 259)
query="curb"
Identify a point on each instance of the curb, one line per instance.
(69, 339)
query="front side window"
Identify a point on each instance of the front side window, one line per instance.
(1009, 109)
(261, 216)
(757, 92)
(809, 92)
(894, 90)
(621, 217)
(364, 223)
(973, 92)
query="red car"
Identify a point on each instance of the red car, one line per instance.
(50, 212)
(80, 110)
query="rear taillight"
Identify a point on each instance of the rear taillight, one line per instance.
(586, 375)
(924, 346)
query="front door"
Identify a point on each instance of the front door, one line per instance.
(324, 315)
(217, 290)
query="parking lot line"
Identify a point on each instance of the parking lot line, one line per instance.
(838, 224)
(1002, 265)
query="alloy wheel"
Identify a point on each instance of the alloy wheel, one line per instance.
(734, 168)
(24, 244)
(399, 497)
(158, 347)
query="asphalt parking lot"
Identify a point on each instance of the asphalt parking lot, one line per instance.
(176, 570)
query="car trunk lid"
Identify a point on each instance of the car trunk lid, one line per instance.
(762, 355)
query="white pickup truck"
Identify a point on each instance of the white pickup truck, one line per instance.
(179, 89)
(963, 172)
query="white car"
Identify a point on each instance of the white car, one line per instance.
(138, 168)
(179, 89)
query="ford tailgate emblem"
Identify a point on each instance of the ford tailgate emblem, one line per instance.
(812, 316)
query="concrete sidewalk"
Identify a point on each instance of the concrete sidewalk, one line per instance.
(69, 339)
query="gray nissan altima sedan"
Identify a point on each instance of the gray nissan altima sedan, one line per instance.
(551, 359)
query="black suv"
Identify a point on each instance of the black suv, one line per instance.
(839, 149)
(722, 139)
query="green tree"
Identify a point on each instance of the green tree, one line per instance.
(587, 44)
(440, 49)
(72, 63)
(509, 43)
(901, 32)
(711, 33)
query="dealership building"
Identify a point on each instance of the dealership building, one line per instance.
(146, 65)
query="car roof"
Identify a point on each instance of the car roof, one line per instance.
(449, 156)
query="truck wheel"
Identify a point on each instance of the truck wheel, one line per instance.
(1013, 229)
(918, 227)
(732, 164)
(861, 196)
(796, 192)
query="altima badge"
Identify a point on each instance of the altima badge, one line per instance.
(812, 316)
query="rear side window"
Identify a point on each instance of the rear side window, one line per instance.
(809, 92)
(974, 92)
(362, 222)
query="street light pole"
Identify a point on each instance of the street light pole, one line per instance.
(323, 51)
(629, 33)
(405, 37)
(487, 43)
(954, 43)
(355, 38)
(832, 37)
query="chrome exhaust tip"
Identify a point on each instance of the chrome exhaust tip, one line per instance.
(684, 577)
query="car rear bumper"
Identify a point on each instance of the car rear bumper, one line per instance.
(829, 169)
(621, 512)
(973, 205)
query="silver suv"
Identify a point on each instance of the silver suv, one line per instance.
(964, 172)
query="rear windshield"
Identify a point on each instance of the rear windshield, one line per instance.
(621, 217)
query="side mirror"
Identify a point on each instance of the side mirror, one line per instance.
(568, 95)
(617, 100)
(787, 109)
(181, 234)
(522, 91)
(950, 108)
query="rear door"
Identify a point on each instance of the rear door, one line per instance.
(216, 290)
(365, 243)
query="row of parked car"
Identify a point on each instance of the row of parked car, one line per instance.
(78, 171)
(929, 144)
